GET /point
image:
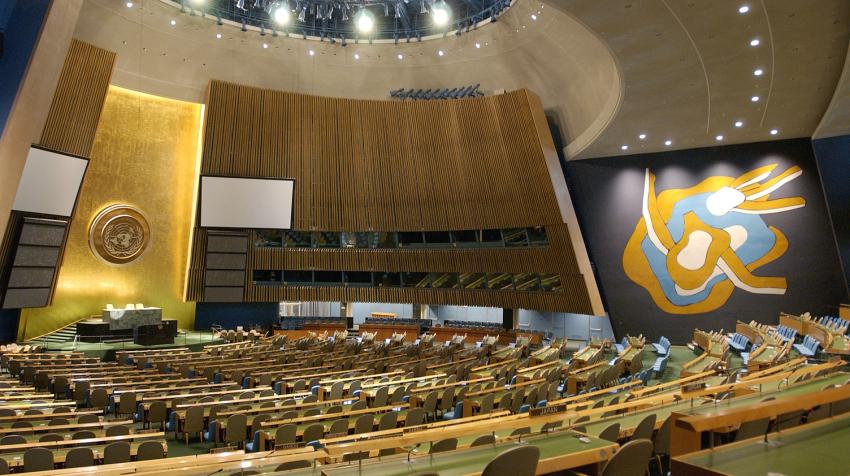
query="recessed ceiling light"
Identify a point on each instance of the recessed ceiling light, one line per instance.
(755, 42)
(533, 16)
(218, 35)
(311, 53)
(668, 142)
(624, 147)
(365, 22)
(265, 45)
(281, 15)
(758, 72)
(173, 22)
(739, 123)
(357, 56)
(642, 136)
(129, 4)
(755, 99)
(744, 9)
(773, 132)
(441, 53)
(399, 56)
(440, 13)
(719, 137)
(478, 45)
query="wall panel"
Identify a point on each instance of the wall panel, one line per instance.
(362, 165)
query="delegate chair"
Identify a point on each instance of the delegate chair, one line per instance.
(519, 461)
(38, 459)
(662, 347)
(449, 444)
(79, 458)
(118, 452)
(149, 450)
(632, 459)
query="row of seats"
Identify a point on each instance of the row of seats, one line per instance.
(399, 320)
(473, 324)
(662, 347)
(455, 93)
(786, 333)
(809, 346)
(834, 322)
(297, 323)
(41, 459)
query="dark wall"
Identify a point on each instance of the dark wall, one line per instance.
(9, 319)
(230, 315)
(833, 156)
(20, 22)
(609, 194)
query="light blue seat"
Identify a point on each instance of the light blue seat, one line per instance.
(456, 413)
(809, 347)
(738, 342)
(660, 365)
(662, 347)
(254, 445)
(622, 345)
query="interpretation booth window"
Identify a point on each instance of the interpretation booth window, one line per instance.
(492, 238)
(528, 282)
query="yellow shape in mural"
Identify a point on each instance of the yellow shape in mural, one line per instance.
(692, 247)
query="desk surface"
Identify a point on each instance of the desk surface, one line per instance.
(473, 460)
(809, 449)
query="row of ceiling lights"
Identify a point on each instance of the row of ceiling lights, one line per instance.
(743, 10)
(356, 55)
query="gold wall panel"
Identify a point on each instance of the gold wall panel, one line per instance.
(145, 155)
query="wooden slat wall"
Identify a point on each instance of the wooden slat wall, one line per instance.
(365, 165)
(78, 101)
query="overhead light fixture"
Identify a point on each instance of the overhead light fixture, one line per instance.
(478, 45)
(265, 45)
(440, 53)
(533, 16)
(642, 136)
(281, 15)
(400, 56)
(668, 142)
(197, 3)
(357, 56)
(173, 22)
(744, 9)
(719, 137)
(755, 42)
(773, 132)
(365, 21)
(129, 4)
(311, 53)
(440, 13)
(755, 99)
(624, 147)
(739, 123)
(758, 72)
(240, 4)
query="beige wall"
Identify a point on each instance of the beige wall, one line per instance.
(146, 155)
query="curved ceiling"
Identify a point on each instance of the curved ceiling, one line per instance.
(673, 70)
(557, 57)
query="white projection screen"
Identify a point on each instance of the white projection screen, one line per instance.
(50, 183)
(229, 202)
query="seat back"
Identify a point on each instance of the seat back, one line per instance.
(645, 428)
(79, 458)
(611, 432)
(518, 461)
(118, 452)
(38, 459)
(237, 428)
(632, 459)
(285, 434)
(149, 450)
(449, 444)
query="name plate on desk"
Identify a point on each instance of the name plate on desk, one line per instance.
(120, 319)
(547, 410)
(693, 387)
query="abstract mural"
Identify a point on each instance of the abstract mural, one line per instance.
(693, 247)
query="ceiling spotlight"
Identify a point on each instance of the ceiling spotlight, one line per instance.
(400, 56)
(744, 9)
(365, 21)
(129, 4)
(755, 42)
(642, 136)
(758, 72)
(311, 53)
(624, 147)
(533, 16)
(773, 132)
(198, 2)
(668, 142)
(265, 45)
(357, 56)
(440, 53)
(173, 22)
(755, 99)
(478, 45)
(281, 15)
(719, 137)
(440, 13)
(739, 123)
(218, 35)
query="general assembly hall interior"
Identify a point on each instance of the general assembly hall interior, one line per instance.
(425, 237)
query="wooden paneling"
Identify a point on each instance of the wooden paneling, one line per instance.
(363, 165)
(78, 101)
